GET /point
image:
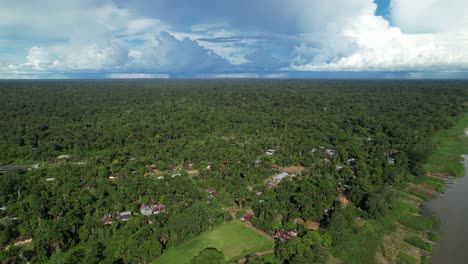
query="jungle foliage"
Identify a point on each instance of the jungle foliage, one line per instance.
(203, 135)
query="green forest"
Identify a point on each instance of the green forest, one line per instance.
(123, 171)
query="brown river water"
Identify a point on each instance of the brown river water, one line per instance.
(453, 212)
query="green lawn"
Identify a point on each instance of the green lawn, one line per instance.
(234, 239)
(450, 144)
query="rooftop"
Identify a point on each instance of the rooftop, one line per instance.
(280, 176)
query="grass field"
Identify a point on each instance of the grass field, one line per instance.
(234, 239)
(450, 144)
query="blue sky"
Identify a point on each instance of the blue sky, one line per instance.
(234, 39)
(383, 8)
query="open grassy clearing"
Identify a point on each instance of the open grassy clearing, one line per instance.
(234, 239)
(450, 144)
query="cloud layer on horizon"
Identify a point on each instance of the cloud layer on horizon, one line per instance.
(266, 38)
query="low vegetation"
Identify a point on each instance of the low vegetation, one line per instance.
(450, 145)
(419, 243)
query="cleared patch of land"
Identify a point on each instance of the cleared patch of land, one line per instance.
(293, 169)
(234, 239)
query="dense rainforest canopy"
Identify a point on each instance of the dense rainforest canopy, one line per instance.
(195, 152)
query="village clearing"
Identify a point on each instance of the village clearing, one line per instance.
(234, 239)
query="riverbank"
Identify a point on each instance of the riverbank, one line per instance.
(407, 234)
(452, 209)
(445, 163)
(450, 145)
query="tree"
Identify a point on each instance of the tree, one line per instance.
(208, 256)
(11, 256)
(341, 222)
(312, 248)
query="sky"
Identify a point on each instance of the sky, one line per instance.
(411, 39)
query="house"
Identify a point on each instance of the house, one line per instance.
(125, 216)
(23, 240)
(279, 177)
(338, 168)
(391, 161)
(36, 166)
(189, 166)
(158, 208)
(258, 192)
(343, 200)
(64, 157)
(154, 209)
(175, 168)
(272, 184)
(285, 235)
(247, 217)
(114, 176)
(270, 152)
(153, 169)
(107, 220)
(330, 152)
(299, 221)
(146, 210)
(160, 178)
(391, 152)
(275, 168)
(3, 208)
(352, 161)
(312, 226)
(50, 179)
(212, 192)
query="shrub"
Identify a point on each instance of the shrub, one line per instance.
(419, 243)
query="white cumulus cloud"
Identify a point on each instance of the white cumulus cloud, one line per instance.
(362, 41)
(429, 16)
(140, 38)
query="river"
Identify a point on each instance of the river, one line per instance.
(453, 212)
